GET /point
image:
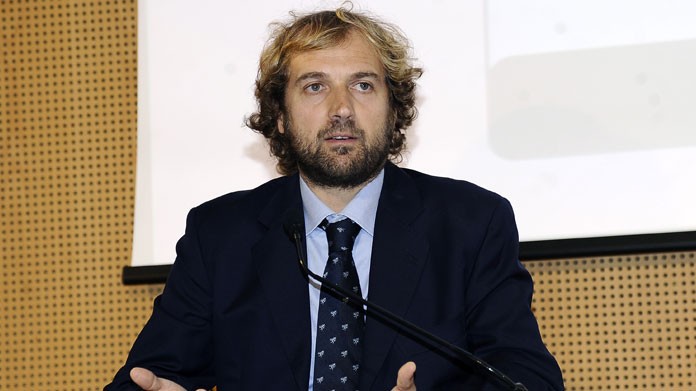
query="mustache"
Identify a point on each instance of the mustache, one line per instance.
(341, 127)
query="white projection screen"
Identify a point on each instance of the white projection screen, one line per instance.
(581, 113)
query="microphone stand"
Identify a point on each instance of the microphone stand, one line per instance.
(294, 229)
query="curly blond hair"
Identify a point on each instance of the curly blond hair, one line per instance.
(321, 30)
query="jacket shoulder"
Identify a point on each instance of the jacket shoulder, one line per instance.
(452, 191)
(243, 204)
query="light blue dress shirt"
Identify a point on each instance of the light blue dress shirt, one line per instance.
(362, 209)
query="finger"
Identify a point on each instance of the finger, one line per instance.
(145, 379)
(404, 379)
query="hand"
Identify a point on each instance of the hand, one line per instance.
(404, 379)
(149, 382)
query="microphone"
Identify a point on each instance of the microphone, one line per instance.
(294, 228)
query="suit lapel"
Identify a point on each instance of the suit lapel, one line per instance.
(398, 255)
(282, 281)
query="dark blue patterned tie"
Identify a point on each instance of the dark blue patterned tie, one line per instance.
(340, 325)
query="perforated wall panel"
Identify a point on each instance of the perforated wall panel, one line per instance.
(620, 323)
(67, 158)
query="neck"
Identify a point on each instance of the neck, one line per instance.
(336, 198)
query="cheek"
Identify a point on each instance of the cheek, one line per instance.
(310, 119)
(376, 117)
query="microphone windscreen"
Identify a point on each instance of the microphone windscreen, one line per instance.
(294, 224)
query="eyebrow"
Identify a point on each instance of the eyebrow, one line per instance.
(365, 75)
(310, 75)
(322, 75)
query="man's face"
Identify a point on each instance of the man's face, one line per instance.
(338, 116)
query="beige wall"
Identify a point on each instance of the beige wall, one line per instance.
(67, 170)
(67, 163)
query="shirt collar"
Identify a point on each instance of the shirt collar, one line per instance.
(362, 208)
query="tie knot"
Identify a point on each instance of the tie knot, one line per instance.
(341, 234)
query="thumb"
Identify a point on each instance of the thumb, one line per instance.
(145, 379)
(404, 378)
(149, 382)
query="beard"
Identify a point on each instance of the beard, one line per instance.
(342, 167)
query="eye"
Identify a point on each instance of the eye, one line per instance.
(363, 86)
(314, 87)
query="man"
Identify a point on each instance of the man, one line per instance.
(335, 90)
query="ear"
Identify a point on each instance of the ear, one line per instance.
(281, 126)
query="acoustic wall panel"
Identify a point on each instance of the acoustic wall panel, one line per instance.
(620, 323)
(67, 162)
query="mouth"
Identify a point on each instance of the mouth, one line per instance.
(340, 137)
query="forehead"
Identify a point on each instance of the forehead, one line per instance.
(353, 54)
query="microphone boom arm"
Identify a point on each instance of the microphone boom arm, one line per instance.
(399, 322)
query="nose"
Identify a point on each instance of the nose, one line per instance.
(341, 109)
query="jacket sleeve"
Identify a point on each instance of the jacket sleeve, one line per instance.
(501, 328)
(176, 341)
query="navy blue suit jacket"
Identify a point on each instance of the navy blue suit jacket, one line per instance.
(235, 309)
